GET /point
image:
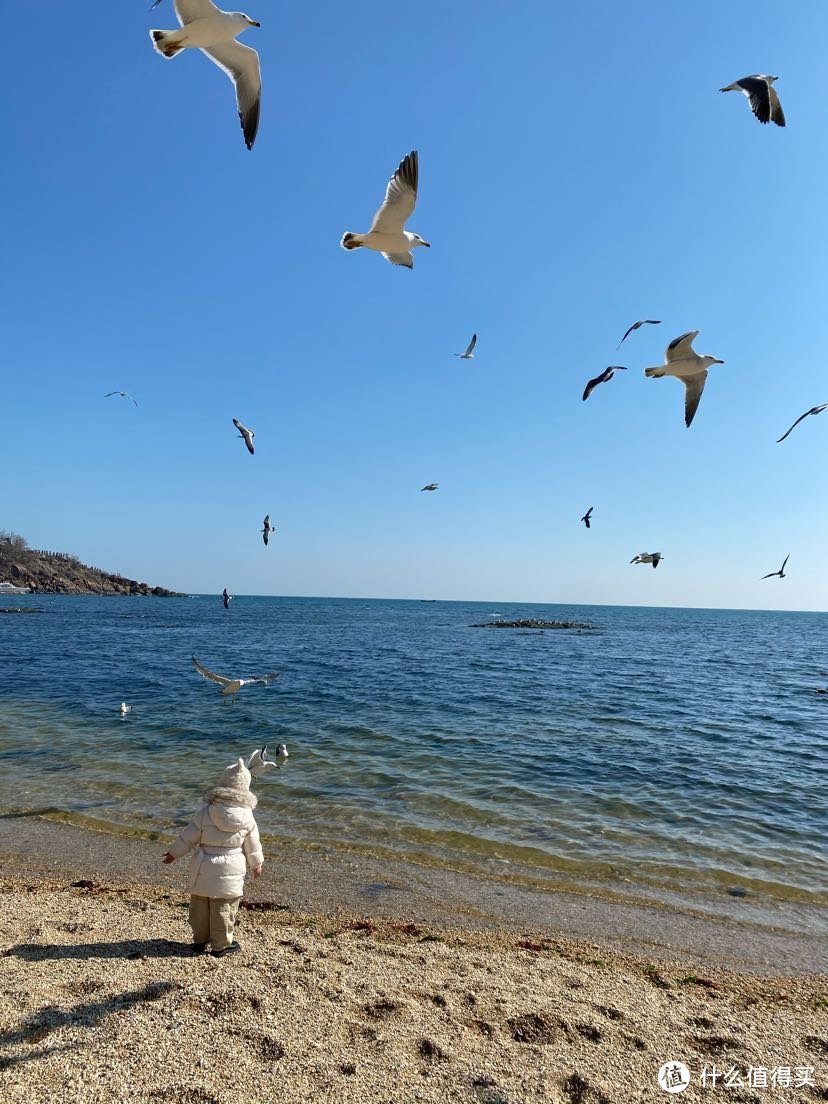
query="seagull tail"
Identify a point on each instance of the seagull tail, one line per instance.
(657, 372)
(164, 43)
(351, 241)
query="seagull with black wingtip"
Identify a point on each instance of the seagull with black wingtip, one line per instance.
(813, 410)
(653, 558)
(246, 435)
(387, 234)
(762, 97)
(780, 572)
(683, 362)
(637, 326)
(605, 377)
(267, 528)
(469, 353)
(586, 517)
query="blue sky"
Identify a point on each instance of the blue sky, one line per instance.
(578, 170)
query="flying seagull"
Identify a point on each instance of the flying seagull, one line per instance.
(813, 410)
(637, 326)
(213, 31)
(387, 235)
(468, 355)
(586, 517)
(430, 487)
(267, 528)
(647, 557)
(123, 394)
(246, 435)
(605, 377)
(259, 764)
(764, 102)
(226, 598)
(231, 687)
(682, 361)
(780, 572)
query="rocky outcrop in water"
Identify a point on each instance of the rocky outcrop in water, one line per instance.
(532, 623)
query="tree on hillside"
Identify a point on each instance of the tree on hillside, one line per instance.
(12, 546)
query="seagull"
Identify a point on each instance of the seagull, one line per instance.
(214, 31)
(268, 528)
(430, 487)
(387, 235)
(231, 687)
(780, 572)
(813, 410)
(605, 377)
(764, 102)
(637, 326)
(647, 557)
(123, 709)
(246, 435)
(226, 598)
(123, 394)
(468, 355)
(682, 361)
(585, 518)
(259, 764)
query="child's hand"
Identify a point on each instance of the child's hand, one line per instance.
(257, 870)
(168, 858)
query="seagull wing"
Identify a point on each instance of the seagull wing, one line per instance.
(757, 91)
(472, 344)
(241, 64)
(694, 385)
(188, 10)
(265, 679)
(680, 347)
(404, 259)
(813, 410)
(776, 113)
(593, 383)
(246, 433)
(782, 568)
(634, 326)
(400, 198)
(220, 679)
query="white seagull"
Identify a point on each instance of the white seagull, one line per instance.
(685, 364)
(123, 709)
(813, 410)
(387, 235)
(468, 355)
(259, 764)
(637, 326)
(246, 435)
(123, 394)
(267, 528)
(213, 31)
(647, 557)
(764, 102)
(231, 687)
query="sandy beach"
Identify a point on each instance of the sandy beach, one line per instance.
(101, 999)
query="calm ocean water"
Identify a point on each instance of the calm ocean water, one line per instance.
(667, 751)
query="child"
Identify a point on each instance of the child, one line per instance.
(226, 840)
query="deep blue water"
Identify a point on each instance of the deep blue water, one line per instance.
(672, 749)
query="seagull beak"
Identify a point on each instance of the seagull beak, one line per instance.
(253, 23)
(718, 362)
(427, 245)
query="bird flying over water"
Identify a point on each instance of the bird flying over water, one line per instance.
(780, 572)
(681, 361)
(468, 355)
(586, 517)
(206, 27)
(123, 394)
(813, 410)
(259, 764)
(267, 528)
(605, 377)
(387, 234)
(226, 598)
(762, 96)
(246, 435)
(647, 558)
(637, 326)
(230, 687)
(430, 487)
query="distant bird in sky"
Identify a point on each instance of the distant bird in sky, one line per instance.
(780, 572)
(637, 326)
(206, 27)
(246, 435)
(685, 364)
(267, 528)
(586, 517)
(605, 377)
(430, 487)
(647, 558)
(123, 709)
(230, 687)
(813, 410)
(259, 764)
(226, 598)
(123, 394)
(469, 354)
(387, 234)
(762, 96)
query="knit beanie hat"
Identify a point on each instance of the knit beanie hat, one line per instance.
(235, 777)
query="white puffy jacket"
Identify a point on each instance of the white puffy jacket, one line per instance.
(226, 841)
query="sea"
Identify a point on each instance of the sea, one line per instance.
(672, 754)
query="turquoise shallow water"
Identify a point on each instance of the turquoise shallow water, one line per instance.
(669, 750)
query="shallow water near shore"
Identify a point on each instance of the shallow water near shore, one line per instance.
(666, 753)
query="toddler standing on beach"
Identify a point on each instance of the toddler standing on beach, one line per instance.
(226, 841)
